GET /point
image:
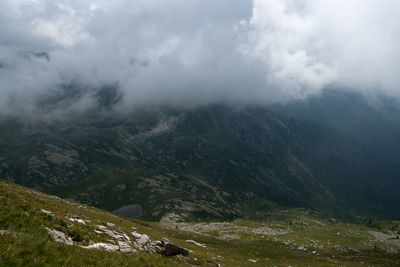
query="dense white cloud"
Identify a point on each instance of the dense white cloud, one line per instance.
(309, 44)
(191, 51)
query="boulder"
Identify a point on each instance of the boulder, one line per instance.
(165, 241)
(172, 250)
(141, 240)
(59, 236)
(110, 224)
(124, 247)
(155, 246)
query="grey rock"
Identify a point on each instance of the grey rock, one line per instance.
(110, 224)
(165, 241)
(59, 236)
(141, 239)
(172, 250)
(102, 246)
(124, 247)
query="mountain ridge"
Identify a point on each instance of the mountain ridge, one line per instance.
(193, 161)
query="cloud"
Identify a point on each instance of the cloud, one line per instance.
(309, 44)
(193, 52)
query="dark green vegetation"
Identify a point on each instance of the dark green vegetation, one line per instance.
(211, 162)
(296, 237)
(374, 122)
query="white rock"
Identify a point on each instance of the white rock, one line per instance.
(103, 246)
(197, 244)
(141, 240)
(101, 227)
(165, 241)
(126, 237)
(253, 261)
(59, 236)
(46, 211)
(114, 234)
(110, 224)
(124, 247)
(77, 220)
(98, 232)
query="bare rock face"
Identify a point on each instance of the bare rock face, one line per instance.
(59, 236)
(172, 250)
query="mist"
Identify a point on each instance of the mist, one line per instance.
(61, 54)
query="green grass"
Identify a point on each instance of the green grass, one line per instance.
(26, 242)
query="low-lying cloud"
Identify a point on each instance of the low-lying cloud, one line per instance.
(193, 52)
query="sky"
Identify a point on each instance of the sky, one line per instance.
(194, 51)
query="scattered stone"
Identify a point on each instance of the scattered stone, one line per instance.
(103, 246)
(114, 234)
(101, 227)
(124, 247)
(197, 244)
(172, 250)
(59, 236)
(268, 231)
(141, 240)
(76, 219)
(155, 246)
(46, 211)
(110, 224)
(253, 261)
(6, 232)
(98, 232)
(165, 241)
(392, 250)
(126, 237)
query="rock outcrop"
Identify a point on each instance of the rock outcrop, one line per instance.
(59, 236)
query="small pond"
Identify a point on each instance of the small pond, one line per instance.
(129, 211)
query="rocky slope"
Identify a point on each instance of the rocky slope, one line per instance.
(216, 161)
(37, 229)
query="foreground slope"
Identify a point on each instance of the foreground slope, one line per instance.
(289, 237)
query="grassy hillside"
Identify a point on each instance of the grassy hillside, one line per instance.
(296, 237)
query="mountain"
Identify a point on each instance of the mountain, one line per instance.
(373, 121)
(215, 161)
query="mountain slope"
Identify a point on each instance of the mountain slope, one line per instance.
(215, 161)
(373, 122)
(290, 237)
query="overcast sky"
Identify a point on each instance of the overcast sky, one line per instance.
(196, 51)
